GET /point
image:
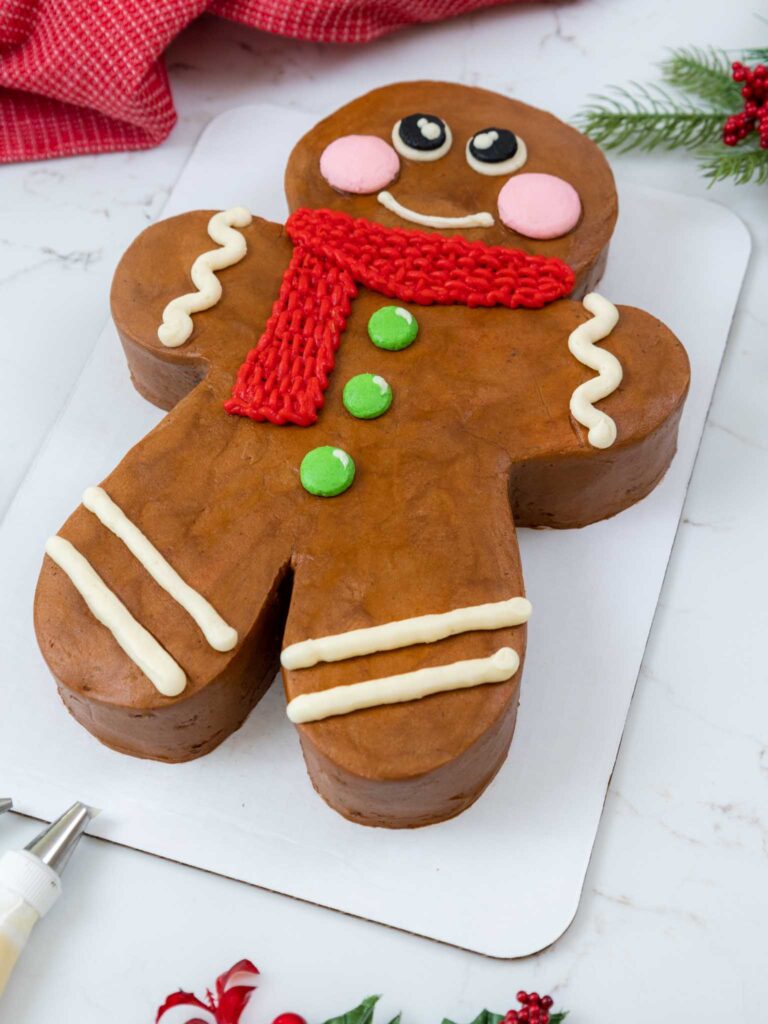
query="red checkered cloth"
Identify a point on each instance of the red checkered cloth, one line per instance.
(86, 76)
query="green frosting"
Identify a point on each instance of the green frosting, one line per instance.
(393, 328)
(327, 471)
(367, 396)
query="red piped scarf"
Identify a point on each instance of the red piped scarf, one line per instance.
(283, 378)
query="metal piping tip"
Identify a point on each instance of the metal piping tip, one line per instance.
(55, 844)
(5, 804)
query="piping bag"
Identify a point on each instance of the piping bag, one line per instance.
(30, 883)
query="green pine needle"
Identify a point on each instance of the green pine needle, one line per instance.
(742, 164)
(691, 116)
(703, 73)
(648, 118)
(757, 55)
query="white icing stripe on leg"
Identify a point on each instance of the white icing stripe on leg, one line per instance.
(220, 635)
(140, 646)
(423, 629)
(605, 316)
(177, 322)
(341, 700)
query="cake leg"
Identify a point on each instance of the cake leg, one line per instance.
(421, 761)
(166, 663)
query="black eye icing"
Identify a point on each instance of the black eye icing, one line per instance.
(496, 151)
(422, 131)
(492, 145)
(422, 137)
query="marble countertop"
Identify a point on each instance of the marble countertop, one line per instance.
(673, 915)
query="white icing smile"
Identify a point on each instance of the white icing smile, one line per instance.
(471, 220)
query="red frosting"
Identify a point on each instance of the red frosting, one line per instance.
(283, 378)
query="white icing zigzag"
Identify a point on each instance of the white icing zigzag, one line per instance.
(605, 316)
(177, 322)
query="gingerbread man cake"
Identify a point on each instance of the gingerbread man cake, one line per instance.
(363, 404)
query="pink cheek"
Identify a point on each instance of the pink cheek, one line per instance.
(539, 205)
(359, 164)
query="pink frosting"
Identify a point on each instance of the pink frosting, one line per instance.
(359, 164)
(539, 205)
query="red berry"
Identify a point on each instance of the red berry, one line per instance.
(522, 997)
(523, 1016)
(289, 1018)
(534, 997)
(511, 1017)
(547, 1002)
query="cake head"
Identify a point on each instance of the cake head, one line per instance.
(457, 159)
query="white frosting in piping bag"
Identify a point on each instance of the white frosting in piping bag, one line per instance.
(471, 220)
(341, 700)
(140, 646)
(177, 322)
(423, 629)
(605, 316)
(220, 635)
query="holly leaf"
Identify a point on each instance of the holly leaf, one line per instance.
(484, 1017)
(397, 1019)
(362, 1014)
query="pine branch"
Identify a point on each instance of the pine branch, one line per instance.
(648, 119)
(741, 164)
(758, 56)
(703, 73)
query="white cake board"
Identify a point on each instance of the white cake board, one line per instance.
(505, 877)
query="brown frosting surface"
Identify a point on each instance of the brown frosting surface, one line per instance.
(479, 428)
(448, 187)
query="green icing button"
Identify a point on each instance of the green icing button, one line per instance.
(367, 396)
(393, 328)
(327, 471)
